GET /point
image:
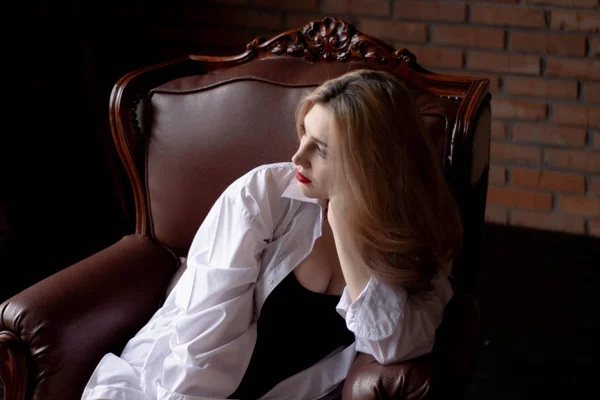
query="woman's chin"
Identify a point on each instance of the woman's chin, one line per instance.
(310, 191)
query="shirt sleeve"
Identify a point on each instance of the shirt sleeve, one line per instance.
(392, 326)
(208, 339)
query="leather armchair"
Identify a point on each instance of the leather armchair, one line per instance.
(187, 128)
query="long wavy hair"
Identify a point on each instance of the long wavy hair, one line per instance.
(402, 218)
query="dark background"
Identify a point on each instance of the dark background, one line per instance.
(538, 298)
(61, 180)
(61, 185)
(59, 168)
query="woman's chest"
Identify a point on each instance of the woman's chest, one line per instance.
(320, 270)
(304, 246)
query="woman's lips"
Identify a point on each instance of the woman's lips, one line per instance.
(301, 178)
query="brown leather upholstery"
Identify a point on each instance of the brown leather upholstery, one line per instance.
(62, 326)
(207, 130)
(368, 379)
(444, 374)
(186, 129)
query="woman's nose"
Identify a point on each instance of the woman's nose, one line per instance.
(299, 158)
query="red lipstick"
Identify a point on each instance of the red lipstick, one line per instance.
(302, 179)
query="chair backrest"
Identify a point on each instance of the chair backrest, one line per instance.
(186, 129)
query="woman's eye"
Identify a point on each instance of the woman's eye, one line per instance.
(321, 152)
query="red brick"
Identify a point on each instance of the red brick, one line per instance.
(430, 10)
(575, 68)
(547, 43)
(498, 130)
(548, 180)
(496, 214)
(591, 92)
(595, 186)
(508, 153)
(580, 205)
(304, 5)
(503, 62)
(567, 3)
(526, 178)
(361, 7)
(594, 47)
(461, 35)
(252, 19)
(497, 176)
(549, 134)
(519, 198)
(594, 227)
(551, 222)
(494, 79)
(507, 15)
(540, 87)
(519, 109)
(430, 56)
(577, 115)
(576, 160)
(404, 31)
(570, 20)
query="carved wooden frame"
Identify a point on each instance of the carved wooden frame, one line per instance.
(14, 363)
(328, 40)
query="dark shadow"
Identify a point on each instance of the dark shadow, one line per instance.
(537, 293)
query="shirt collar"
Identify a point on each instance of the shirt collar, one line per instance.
(293, 192)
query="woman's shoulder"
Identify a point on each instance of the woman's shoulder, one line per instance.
(262, 186)
(267, 177)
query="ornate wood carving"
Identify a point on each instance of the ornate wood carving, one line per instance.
(327, 40)
(322, 41)
(135, 119)
(13, 366)
(406, 57)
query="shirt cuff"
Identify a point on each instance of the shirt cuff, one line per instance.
(374, 314)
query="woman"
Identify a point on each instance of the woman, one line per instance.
(298, 266)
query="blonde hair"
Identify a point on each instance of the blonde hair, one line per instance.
(402, 217)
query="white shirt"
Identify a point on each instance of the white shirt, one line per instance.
(199, 343)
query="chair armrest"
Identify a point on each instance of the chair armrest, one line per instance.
(369, 380)
(444, 373)
(55, 332)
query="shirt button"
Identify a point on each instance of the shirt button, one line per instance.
(270, 281)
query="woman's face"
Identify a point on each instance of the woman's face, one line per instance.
(313, 163)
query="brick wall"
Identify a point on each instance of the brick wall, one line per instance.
(542, 57)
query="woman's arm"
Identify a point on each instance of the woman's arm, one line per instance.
(355, 273)
(203, 351)
(386, 322)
